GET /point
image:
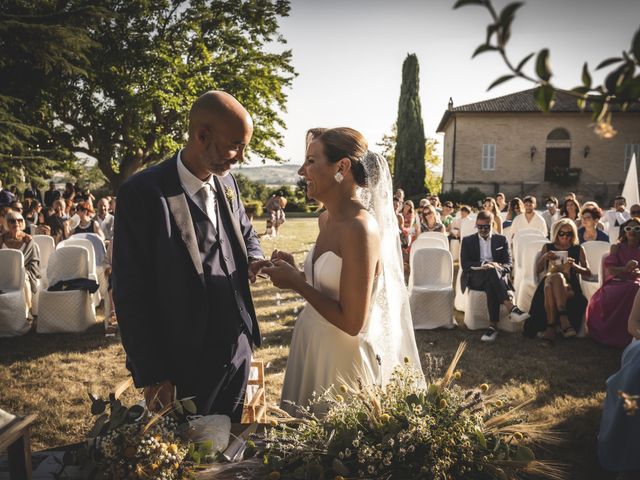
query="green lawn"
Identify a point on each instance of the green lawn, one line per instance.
(51, 374)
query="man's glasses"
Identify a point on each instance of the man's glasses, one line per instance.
(13, 221)
(565, 234)
(635, 213)
(483, 227)
(629, 228)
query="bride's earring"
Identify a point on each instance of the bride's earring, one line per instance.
(339, 177)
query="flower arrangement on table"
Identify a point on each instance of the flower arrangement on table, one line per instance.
(408, 430)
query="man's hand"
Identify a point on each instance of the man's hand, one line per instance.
(159, 395)
(287, 257)
(254, 268)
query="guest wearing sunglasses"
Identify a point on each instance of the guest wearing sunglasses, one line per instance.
(430, 220)
(558, 300)
(486, 265)
(15, 238)
(609, 308)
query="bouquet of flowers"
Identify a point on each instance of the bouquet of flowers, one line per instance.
(408, 430)
(132, 442)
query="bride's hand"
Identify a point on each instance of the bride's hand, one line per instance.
(283, 274)
(287, 257)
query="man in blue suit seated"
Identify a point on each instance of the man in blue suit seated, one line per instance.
(486, 265)
(184, 252)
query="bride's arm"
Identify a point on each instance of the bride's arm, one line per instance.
(360, 250)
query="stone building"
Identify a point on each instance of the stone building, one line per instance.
(507, 144)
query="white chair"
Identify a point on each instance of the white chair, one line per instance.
(437, 235)
(454, 248)
(476, 314)
(467, 227)
(528, 279)
(460, 300)
(70, 310)
(595, 252)
(430, 289)
(93, 270)
(518, 249)
(13, 303)
(46, 245)
(427, 242)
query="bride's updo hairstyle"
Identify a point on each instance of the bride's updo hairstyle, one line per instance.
(341, 143)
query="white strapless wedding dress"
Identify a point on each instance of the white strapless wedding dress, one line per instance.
(322, 355)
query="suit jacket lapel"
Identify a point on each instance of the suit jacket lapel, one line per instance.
(177, 203)
(226, 210)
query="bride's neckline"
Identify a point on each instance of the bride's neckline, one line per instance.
(316, 259)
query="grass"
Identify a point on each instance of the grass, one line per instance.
(51, 374)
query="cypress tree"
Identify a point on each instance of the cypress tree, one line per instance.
(409, 171)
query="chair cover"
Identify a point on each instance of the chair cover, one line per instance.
(467, 226)
(519, 245)
(46, 245)
(437, 235)
(476, 315)
(427, 242)
(13, 303)
(72, 310)
(89, 241)
(528, 281)
(430, 288)
(454, 248)
(591, 285)
(460, 300)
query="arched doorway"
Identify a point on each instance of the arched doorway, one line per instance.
(558, 155)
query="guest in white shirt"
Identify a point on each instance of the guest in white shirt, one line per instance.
(530, 219)
(551, 215)
(105, 219)
(616, 217)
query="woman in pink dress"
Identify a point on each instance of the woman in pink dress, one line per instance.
(609, 308)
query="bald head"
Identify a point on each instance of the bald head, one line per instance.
(216, 107)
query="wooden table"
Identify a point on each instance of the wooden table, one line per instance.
(15, 439)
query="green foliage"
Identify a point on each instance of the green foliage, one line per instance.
(144, 65)
(471, 196)
(432, 181)
(251, 190)
(620, 89)
(409, 169)
(388, 144)
(42, 44)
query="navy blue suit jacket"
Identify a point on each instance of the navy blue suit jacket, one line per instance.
(158, 278)
(470, 255)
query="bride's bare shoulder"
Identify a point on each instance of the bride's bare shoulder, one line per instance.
(362, 228)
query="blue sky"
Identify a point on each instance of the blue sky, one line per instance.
(349, 55)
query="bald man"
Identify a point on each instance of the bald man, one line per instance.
(184, 254)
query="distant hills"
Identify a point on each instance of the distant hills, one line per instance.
(271, 175)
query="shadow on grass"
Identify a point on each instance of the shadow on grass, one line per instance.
(32, 346)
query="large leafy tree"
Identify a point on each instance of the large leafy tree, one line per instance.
(148, 62)
(409, 168)
(155, 58)
(40, 43)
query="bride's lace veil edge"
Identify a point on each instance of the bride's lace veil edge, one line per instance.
(390, 307)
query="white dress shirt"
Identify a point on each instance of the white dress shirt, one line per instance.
(485, 249)
(192, 186)
(106, 225)
(551, 219)
(522, 223)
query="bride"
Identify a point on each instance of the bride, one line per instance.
(356, 324)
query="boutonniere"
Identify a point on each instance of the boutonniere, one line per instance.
(230, 194)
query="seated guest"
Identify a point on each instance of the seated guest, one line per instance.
(558, 300)
(454, 226)
(410, 219)
(490, 205)
(58, 222)
(571, 210)
(551, 215)
(530, 219)
(32, 213)
(486, 264)
(105, 219)
(41, 225)
(430, 221)
(618, 445)
(501, 201)
(87, 224)
(447, 214)
(516, 207)
(611, 304)
(51, 195)
(16, 238)
(589, 231)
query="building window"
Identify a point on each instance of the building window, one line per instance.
(489, 156)
(629, 150)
